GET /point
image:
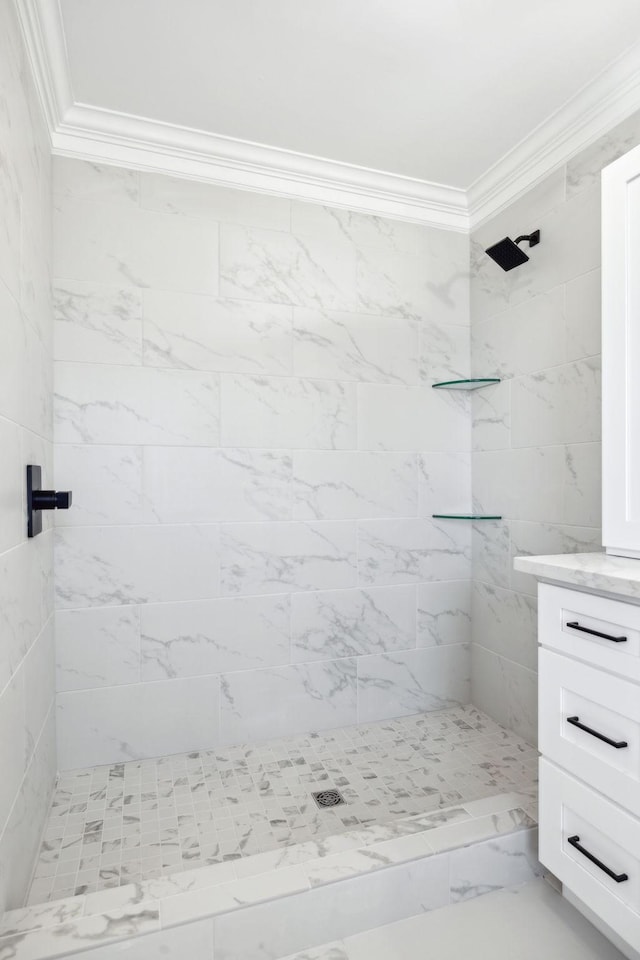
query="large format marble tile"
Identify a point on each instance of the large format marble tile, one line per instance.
(112, 404)
(213, 636)
(339, 485)
(136, 721)
(411, 418)
(407, 551)
(258, 704)
(444, 483)
(97, 323)
(205, 333)
(109, 243)
(505, 690)
(278, 267)
(505, 622)
(202, 485)
(190, 198)
(287, 412)
(106, 481)
(444, 351)
(329, 624)
(269, 558)
(399, 684)
(583, 170)
(97, 647)
(559, 405)
(85, 180)
(444, 613)
(353, 346)
(101, 566)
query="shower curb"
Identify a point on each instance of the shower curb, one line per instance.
(76, 924)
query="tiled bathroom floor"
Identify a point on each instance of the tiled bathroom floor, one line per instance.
(112, 825)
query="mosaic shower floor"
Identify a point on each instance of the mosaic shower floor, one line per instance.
(118, 824)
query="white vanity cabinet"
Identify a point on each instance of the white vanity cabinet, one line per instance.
(621, 355)
(589, 738)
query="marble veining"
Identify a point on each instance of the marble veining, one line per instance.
(139, 822)
(595, 571)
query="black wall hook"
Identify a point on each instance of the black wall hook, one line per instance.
(39, 500)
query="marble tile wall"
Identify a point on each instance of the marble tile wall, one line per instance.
(536, 435)
(244, 412)
(27, 674)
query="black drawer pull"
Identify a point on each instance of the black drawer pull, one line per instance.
(595, 633)
(618, 744)
(618, 877)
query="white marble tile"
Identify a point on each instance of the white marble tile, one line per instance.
(269, 558)
(12, 357)
(347, 229)
(491, 417)
(25, 600)
(11, 484)
(444, 351)
(190, 198)
(101, 566)
(354, 346)
(97, 647)
(411, 418)
(407, 551)
(190, 332)
(399, 684)
(329, 624)
(540, 539)
(444, 483)
(583, 312)
(138, 920)
(444, 613)
(432, 283)
(505, 622)
(494, 864)
(122, 244)
(113, 404)
(39, 685)
(334, 910)
(85, 180)
(135, 721)
(525, 338)
(491, 552)
(193, 940)
(354, 484)
(13, 749)
(278, 267)
(260, 704)
(201, 485)
(97, 323)
(559, 405)
(213, 636)
(287, 412)
(106, 481)
(506, 691)
(583, 170)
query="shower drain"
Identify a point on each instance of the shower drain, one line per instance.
(328, 798)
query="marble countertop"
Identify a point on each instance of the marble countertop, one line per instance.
(591, 571)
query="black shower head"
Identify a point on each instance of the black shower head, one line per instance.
(507, 254)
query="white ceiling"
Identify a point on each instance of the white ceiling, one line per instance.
(433, 89)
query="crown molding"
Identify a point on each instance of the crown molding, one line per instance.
(101, 135)
(604, 102)
(104, 136)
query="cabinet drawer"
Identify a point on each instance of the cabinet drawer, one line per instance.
(589, 723)
(600, 631)
(593, 846)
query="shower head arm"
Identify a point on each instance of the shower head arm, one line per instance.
(532, 238)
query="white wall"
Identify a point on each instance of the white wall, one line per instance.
(536, 436)
(27, 722)
(245, 415)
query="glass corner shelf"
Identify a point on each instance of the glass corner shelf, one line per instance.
(473, 384)
(466, 516)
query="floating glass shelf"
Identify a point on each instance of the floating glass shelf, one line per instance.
(465, 516)
(473, 384)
